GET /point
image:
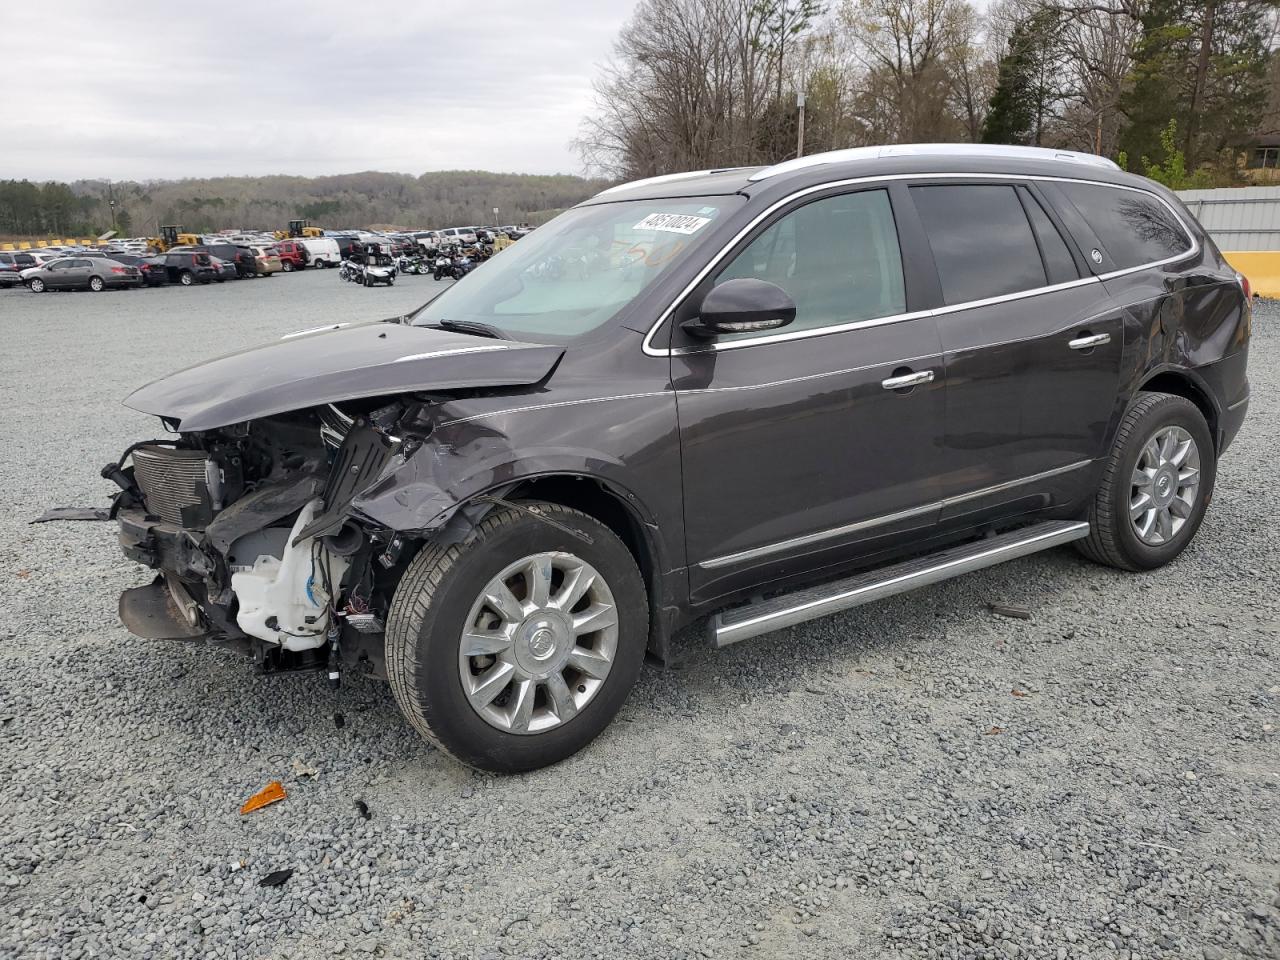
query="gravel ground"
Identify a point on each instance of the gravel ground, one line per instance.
(920, 778)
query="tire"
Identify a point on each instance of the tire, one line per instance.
(1115, 535)
(36, 285)
(96, 284)
(445, 586)
(185, 278)
(287, 266)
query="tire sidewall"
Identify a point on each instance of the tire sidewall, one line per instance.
(1173, 411)
(440, 695)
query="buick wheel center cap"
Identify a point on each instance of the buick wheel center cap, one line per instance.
(542, 643)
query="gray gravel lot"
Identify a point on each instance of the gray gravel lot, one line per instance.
(920, 778)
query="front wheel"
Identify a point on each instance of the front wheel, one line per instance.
(1156, 486)
(36, 285)
(287, 266)
(516, 648)
(186, 279)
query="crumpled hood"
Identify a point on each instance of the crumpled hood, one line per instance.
(335, 364)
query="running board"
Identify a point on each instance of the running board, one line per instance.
(765, 616)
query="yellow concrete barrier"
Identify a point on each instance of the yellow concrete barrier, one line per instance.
(1262, 267)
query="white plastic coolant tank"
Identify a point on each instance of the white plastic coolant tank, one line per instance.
(288, 589)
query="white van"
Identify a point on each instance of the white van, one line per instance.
(324, 251)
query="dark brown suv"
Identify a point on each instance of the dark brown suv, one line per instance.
(749, 397)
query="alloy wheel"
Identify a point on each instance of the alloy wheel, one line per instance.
(538, 643)
(1164, 485)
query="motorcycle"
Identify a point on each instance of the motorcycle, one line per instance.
(350, 270)
(411, 264)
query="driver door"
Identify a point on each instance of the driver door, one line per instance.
(57, 274)
(804, 446)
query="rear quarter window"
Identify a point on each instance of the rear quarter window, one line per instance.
(981, 240)
(1135, 227)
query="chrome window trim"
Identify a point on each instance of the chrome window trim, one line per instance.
(883, 520)
(730, 246)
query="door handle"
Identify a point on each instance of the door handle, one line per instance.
(1089, 341)
(908, 380)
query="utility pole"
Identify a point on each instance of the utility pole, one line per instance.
(800, 126)
(111, 202)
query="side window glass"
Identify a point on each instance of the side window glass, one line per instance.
(1134, 226)
(837, 257)
(981, 240)
(1057, 258)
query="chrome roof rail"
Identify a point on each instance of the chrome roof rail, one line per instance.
(958, 150)
(666, 178)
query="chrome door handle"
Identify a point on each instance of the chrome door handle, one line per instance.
(908, 380)
(1084, 343)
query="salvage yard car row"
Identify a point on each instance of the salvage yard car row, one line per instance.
(216, 260)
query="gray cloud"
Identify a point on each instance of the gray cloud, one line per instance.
(164, 90)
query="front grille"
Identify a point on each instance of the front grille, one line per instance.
(174, 484)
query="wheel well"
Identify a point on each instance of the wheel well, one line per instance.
(591, 497)
(587, 495)
(1183, 386)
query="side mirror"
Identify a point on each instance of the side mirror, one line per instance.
(741, 306)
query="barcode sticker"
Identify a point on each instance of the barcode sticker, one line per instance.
(672, 223)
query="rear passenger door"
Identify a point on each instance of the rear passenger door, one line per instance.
(1032, 345)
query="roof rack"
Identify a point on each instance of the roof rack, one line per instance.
(934, 150)
(666, 178)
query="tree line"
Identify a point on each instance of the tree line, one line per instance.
(449, 198)
(1174, 89)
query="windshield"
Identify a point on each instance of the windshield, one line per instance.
(572, 275)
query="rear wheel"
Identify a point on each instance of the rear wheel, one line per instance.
(1156, 486)
(36, 285)
(96, 284)
(516, 648)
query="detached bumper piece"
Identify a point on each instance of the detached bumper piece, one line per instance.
(154, 612)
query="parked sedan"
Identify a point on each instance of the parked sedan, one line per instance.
(226, 270)
(153, 269)
(82, 273)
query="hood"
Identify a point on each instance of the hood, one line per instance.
(338, 363)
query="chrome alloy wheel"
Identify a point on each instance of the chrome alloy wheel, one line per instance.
(538, 643)
(1163, 489)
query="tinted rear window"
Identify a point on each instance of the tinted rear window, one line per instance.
(1057, 258)
(1135, 227)
(981, 241)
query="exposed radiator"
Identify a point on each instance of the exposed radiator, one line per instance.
(175, 484)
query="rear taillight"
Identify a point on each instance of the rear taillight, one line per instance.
(120, 270)
(1245, 286)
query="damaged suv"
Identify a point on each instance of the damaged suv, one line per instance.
(749, 396)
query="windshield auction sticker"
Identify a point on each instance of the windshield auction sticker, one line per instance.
(672, 223)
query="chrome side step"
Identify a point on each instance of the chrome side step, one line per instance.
(740, 623)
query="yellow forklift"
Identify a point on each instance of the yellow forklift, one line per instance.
(299, 228)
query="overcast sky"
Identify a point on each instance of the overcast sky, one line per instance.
(153, 90)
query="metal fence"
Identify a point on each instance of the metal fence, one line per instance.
(1238, 218)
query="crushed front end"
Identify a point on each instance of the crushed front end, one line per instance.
(248, 529)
